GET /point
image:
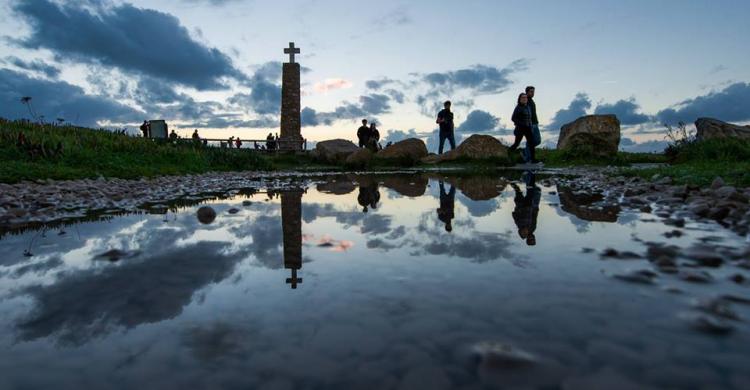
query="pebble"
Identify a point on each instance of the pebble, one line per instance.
(704, 256)
(114, 255)
(738, 278)
(233, 210)
(717, 183)
(696, 276)
(708, 324)
(206, 215)
(639, 276)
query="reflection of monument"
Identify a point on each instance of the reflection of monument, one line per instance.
(290, 102)
(291, 226)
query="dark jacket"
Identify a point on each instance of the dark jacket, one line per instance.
(363, 133)
(446, 126)
(534, 119)
(522, 117)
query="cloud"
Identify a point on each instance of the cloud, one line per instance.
(136, 40)
(265, 96)
(481, 79)
(576, 109)
(59, 99)
(37, 66)
(731, 104)
(215, 3)
(331, 85)
(368, 106)
(479, 121)
(379, 83)
(626, 111)
(394, 135)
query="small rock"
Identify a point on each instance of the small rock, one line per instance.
(206, 215)
(696, 276)
(247, 203)
(114, 255)
(717, 183)
(704, 256)
(233, 210)
(708, 324)
(717, 307)
(725, 192)
(673, 234)
(639, 276)
(502, 356)
(737, 278)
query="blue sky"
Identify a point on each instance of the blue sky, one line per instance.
(214, 64)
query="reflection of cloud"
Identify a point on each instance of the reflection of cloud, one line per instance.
(90, 303)
(220, 340)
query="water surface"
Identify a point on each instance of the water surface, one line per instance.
(391, 281)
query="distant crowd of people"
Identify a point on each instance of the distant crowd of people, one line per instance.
(524, 119)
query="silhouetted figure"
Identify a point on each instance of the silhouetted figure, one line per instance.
(445, 120)
(527, 208)
(536, 136)
(173, 136)
(363, 134)
(522, 120)
(270, 143)
(238, 143)
(369, 196)
(196, 136)
(445, 212)
(146, 129)
(374, 137)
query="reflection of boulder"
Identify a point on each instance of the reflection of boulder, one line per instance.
(408, 151)
(481, 187)
(407, 185)
(206, 215)
(583, 206)
(336, 186)
(709, 128)
(335, 151)
(598, 134)
(476, 147)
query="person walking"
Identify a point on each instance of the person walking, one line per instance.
(535, 134)
(445, 120)
(363, 134)
(522, 120)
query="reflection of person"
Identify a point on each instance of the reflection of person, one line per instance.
(527, 208)
(363, 134)
(445, 212)
(445, 120)
(369, 196)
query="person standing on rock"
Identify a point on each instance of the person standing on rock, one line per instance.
(522, 120)
(445, 212)
(145, 127)
(363, 134)
(536, 137)
(445, 120)
(373, 138)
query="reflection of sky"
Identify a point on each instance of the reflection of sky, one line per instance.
(207, 304)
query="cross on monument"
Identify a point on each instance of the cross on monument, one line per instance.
(291, 50)
(294, 279)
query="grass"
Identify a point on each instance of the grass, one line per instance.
(699, 162)
(68, 152)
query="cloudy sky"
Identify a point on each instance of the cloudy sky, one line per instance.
(215, 64)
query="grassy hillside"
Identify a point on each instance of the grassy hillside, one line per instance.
(68, 152)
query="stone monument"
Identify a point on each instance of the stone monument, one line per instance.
(291, 136)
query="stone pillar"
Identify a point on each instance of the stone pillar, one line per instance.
(290, 107)
(291, 226)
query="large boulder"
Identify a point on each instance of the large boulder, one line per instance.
(334, 151)
(408, 151)
(359, 159)
(477, 147)
(709, 128)
(597, 134)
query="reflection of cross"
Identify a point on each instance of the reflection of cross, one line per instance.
(291, 50)
(294, 279)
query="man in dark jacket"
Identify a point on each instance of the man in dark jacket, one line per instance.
(445, 120)
(445, 212)
(535, 135)
(363, 134)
